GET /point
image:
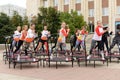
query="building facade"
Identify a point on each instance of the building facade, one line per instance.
(9, 10)
(107, 11)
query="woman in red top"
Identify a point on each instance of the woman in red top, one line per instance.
(81, 37)
(63, 33)
(22, 37)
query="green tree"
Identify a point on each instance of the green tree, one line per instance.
(5, 27)
(16, 20)
(50, 17)
(73, 20)
(25, 20)
(4, 19)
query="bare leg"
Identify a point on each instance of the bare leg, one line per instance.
(39, 46)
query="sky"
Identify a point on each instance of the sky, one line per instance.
(21, 3)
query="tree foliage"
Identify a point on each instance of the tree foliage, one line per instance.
(50, 17)
(73, 20)
(47, 16)
(9, 24)
(16, 19)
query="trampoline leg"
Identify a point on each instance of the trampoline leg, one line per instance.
(94, 63)
(89, 61)
(49, 64)
(79, 63)
(72, 63)
(43, 63)
(9, 64)
(21, 66)
(60, 62)
(56, 65)
(107, 62)
(14, 64)
(5, 60)
(38, 64)
(86, 63)
(118, 60)
(103, 61)
(110, 60)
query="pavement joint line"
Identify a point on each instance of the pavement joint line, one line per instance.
(14, 77)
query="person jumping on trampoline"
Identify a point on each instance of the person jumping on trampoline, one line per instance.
(63, 33)
(80, 38)
(16, 37)
(22, 37)
(116, 39)
(30, 38)
(44, 37)
(97, 37)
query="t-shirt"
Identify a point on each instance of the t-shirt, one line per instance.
(83, 32)
(17, 34)
(63, 34)
(98, 33)
(23, 35)
(30, 34)
(45, 33)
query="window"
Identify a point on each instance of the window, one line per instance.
(66, 2)
(45, 3)
(91, 12)
(78, 12)
(105, 12)
(90, 0)
(55, 2)
(118, 10)
(78, 1)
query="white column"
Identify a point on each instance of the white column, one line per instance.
(112, 14)
(60, 5)
(86, 11)
(71, 5)
(97, 11)
(50, 3)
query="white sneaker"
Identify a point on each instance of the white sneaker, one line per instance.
(66, 59)
(51, 56)
(89, 56)
(18, 57)
(106, 54)
(103, 58)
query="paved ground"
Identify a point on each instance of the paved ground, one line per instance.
(64, 72)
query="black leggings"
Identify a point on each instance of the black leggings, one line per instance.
(93, 46)
(115, 41)
(19, 45)
(106, 44)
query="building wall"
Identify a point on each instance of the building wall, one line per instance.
(9, 10)
(92, 10)
(32, 7)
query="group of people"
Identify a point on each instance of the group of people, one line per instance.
(100, 38)
(21, 36)
(77, 40)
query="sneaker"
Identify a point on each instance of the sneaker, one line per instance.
(88, 57)
(18, 57)
(106, 54)
(103, 59)
(66, 59)
(51, 56)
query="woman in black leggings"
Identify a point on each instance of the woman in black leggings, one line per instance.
(22, 37)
